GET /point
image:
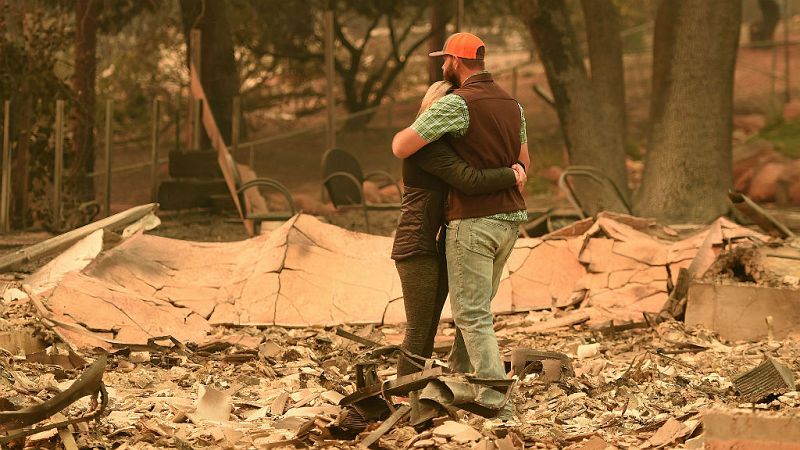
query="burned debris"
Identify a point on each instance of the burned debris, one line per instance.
(601, 364)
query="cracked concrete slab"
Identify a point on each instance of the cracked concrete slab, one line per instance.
(307, 273)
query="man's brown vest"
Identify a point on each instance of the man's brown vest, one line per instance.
(492, 140)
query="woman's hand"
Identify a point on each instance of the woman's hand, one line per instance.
(521, 176)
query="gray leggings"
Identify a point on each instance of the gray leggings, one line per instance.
(424, 282)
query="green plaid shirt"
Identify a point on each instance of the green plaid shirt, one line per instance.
(449, 114)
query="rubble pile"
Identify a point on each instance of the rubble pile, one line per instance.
(750, 292)
(258, 388)
(291, 339)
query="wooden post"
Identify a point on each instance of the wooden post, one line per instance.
(236, 116)
(154, 150)
(58, 165)
(196, 123)
(5, 196)
(786, 20)
(178, 122)
(195, 42)
(107, 138)
(330, 141)
(514, 75)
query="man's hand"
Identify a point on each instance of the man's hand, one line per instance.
(521, 176)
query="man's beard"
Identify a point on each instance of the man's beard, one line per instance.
(451, 77)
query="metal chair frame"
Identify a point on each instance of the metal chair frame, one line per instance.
(257, 218)
(362, 201)
(596, 175)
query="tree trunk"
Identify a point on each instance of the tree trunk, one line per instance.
(21, 178)
(218, 73)
(11, 14)
(608, 84)
(764, 28)
(436, 41)
(688, 162)
(80, 160)
(582, 123)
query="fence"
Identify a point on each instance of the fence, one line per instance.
(275, 156)
(282, 155)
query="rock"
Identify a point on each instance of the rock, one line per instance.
(270, 350)
(139, 357)
(594, 443)
(747, 157)
(588, 350)
(450, 429)
(670, 432)
(371, 192)
(765, 182)
(312, 205)
(12, 294)
(424, 443)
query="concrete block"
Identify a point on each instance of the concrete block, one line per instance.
(738, 312)
(727, 429)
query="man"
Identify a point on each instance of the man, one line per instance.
(486, 127)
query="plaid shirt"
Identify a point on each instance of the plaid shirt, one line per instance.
(449, 114)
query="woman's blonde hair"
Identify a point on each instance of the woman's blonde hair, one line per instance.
(437, 90)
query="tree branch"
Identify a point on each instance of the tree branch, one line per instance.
(399, 68)
(368, 34)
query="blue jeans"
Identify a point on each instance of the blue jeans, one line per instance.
(477, 250)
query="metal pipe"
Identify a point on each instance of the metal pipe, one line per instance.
(128, 167)
(156, 138)
(58, 165)
(236, 115)
(107, 137)
(330, 140)
(5, 196)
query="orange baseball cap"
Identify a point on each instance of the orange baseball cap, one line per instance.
(462, 45)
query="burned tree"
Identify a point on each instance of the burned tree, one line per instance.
(81, 158)
(373, 43)
(688, 162)
(439, 16)
(763, 29)
(590, 105)
(218, 73)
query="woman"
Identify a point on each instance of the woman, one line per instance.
(418, 248)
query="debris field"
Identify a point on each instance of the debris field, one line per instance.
(277, 356)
